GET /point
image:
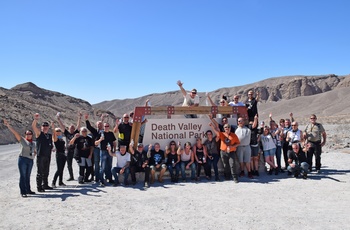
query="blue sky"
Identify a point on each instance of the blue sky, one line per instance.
(130, 48)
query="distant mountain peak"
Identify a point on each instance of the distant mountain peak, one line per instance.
(29, 86)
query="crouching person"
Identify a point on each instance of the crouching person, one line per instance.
(156, 162)
(139, 163)
(123, 162)
(297, 161)
(84, 149)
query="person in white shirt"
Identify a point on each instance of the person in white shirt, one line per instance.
(190, 99)
(123, 162)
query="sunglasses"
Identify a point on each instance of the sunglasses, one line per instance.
(172, 144)
(29, 133)
(106, 126)
(125, 117)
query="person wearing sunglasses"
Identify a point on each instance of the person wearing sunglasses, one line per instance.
(25, 158)
(44, 146)
(190, 99)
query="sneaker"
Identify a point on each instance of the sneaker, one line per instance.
(70, 179)
(31, 192)
(62, 184)
(146, 185)
(250, 175)
(318, 171)
(53, 185)
(276, 171)
(241, 174)
(296, 175)
(41, 190)
(257, 173)
(81, 182)
(235, 179)
(87, 180)
(24, 195)
(102, 184)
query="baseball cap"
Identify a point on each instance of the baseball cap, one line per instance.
(45, 123)
(194, 91)
(139, 145)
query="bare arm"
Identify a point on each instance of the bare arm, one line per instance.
(34, 125)
(210, 100)
(18, 137)
(54, 135)
(184, 93)
(60, 123)
(78, 122)
(116, 129)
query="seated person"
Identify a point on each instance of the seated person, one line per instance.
(173, 161)
(139, 163)
(187, 160)
(156, 162)
(297, 161)
(123, 162)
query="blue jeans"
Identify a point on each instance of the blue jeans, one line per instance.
(183, 170)
(106, 165)
(25, 166)
(214, 162)
(171, 169)
(97, 164)
(115, 172)
(303, 168)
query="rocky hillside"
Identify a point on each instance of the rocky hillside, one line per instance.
(302, 94)
(327, 96)
(19, 103)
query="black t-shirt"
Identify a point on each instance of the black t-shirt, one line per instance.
(252, 107)
(69, 137)
(297, 158)
(109, 138)
(139, 158)
(200, 153)
(60, 145)
(172, 158)
(253, 135)
(44, 144)
(83, 145)
(156, 157)
(125, 130)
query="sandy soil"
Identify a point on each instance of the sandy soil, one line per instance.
(266, 202)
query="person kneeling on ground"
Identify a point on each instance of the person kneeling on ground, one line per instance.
(297, 161)
(123, 162)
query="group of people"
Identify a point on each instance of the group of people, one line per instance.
(94, 150)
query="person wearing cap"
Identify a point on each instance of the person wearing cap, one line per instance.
(25, 158)
(44, 147)
(222, 102)
(190, 99)
(139, 163)
(228, 145)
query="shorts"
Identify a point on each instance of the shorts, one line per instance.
(254, 151)
(270, 152)
(153, 167)
(243, 154)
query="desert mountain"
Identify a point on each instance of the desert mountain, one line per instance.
(328, 96)
(325, 95)
(19, 103)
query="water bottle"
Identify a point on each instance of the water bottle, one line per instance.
(228, 149)
(173, 162)
(203, 159)
(132, 142)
